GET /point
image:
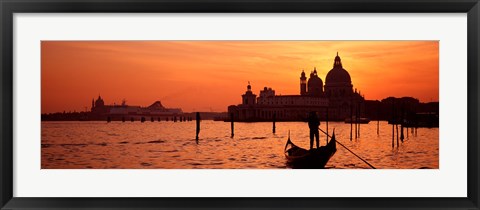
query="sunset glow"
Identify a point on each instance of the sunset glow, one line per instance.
(211, 75)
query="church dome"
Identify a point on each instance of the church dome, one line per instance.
(99, 102)
(315, 84)
(338, 74)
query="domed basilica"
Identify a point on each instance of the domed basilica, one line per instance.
(335, 100)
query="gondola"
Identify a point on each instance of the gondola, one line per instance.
(298, 157)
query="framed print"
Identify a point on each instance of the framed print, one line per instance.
(251, 105)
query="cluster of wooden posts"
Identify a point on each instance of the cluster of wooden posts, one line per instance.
(174, 119)
(395, 123)
(152, 119)
(356, 121)
(274, 120)
(352, 122)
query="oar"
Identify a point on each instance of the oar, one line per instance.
(349, 150)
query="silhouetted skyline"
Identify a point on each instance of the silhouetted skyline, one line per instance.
(210, 75)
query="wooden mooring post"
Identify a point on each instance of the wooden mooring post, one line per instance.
(351, 118)
(327, 125)
(274, 118)
(358, 118)
(393, 123)
(402, 122)
(396, 125)
(356, 122)
(198, 126)
(378, 119)
(232, 124)
(401, 133)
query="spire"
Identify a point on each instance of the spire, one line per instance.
(337, 62)
(249, 87)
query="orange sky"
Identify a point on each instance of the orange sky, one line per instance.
(210, 75)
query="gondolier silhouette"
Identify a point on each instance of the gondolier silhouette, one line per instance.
(313, 124)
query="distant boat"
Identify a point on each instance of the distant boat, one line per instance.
(361, 120)
(224, 119)
(298, 157)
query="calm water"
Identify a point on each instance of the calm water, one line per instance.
(132, 145)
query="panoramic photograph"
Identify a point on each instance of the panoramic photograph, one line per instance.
(240, 105)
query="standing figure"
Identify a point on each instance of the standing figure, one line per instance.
(313, 124)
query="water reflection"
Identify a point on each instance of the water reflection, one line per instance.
(172, 145)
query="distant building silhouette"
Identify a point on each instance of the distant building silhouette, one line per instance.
(116, 112)
(100, 111)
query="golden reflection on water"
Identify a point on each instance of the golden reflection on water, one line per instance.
(159, 145)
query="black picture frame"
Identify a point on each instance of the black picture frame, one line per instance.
(10, 7)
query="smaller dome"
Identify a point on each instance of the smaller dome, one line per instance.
(315, 81)
(315, 85)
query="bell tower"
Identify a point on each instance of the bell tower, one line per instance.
(303, 84)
